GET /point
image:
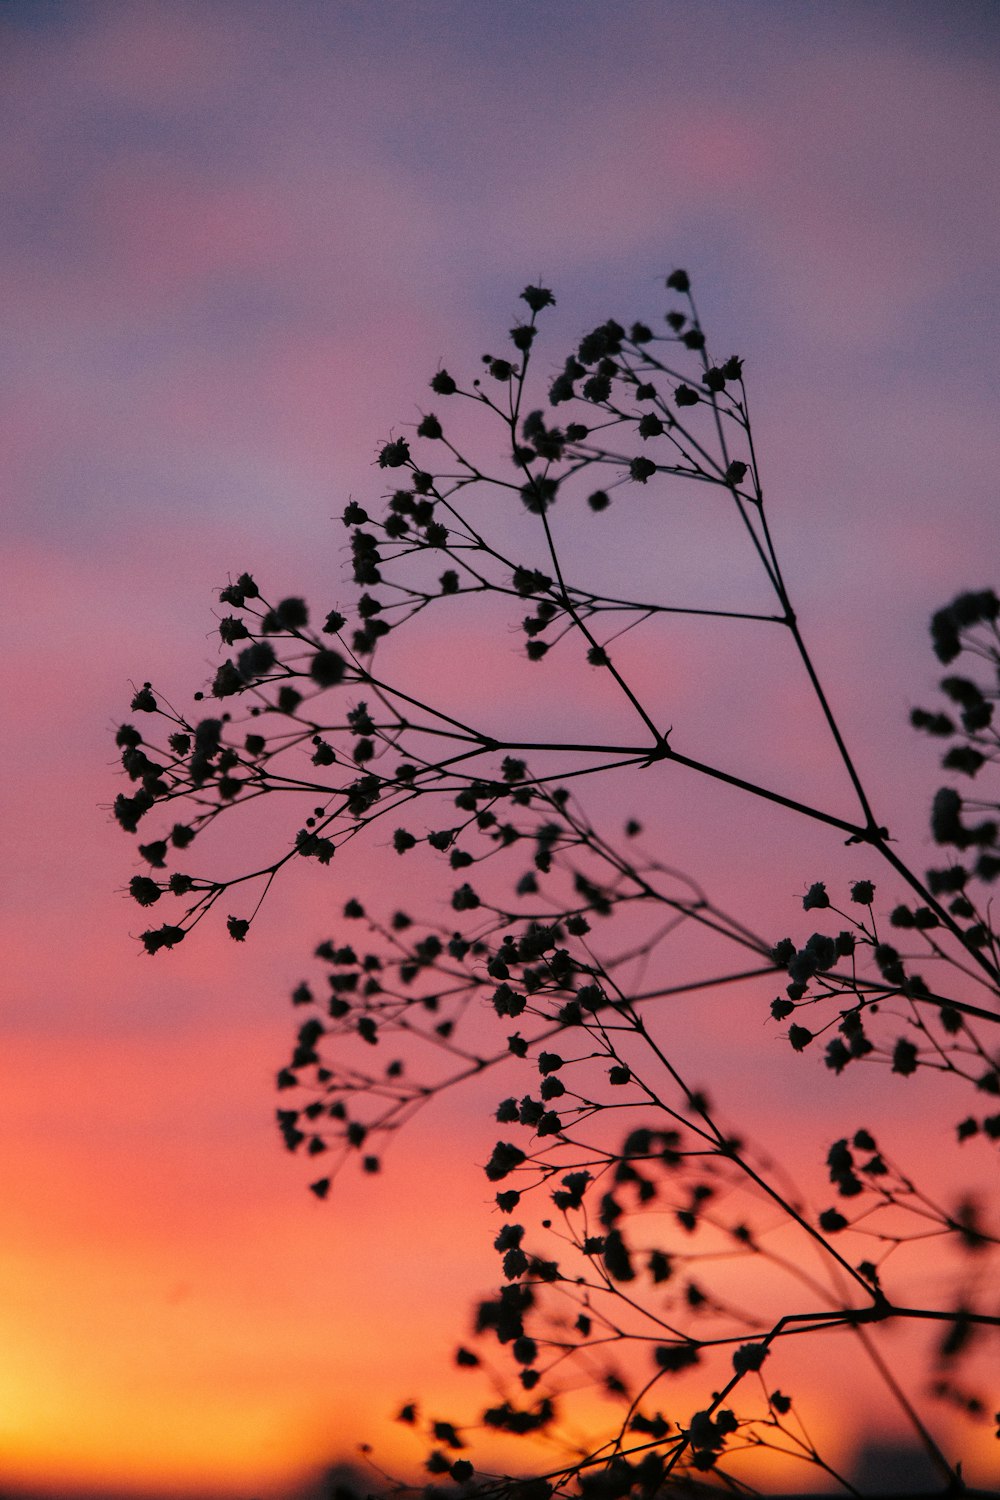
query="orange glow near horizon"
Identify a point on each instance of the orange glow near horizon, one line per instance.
(200, 1260)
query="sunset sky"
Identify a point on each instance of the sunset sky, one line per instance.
(237, 240)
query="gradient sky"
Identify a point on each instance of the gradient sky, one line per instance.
(237, 239)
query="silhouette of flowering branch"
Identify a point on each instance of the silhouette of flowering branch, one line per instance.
(556, 971)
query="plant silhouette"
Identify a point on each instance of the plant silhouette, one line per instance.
(625, 1200)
